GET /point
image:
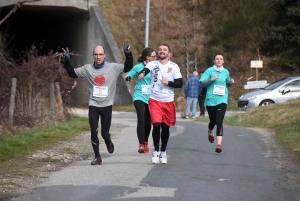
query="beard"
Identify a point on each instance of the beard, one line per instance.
(162, 56)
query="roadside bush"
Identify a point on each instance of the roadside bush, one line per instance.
(34, 73)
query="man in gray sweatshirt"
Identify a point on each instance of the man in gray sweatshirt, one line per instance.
(101, 78)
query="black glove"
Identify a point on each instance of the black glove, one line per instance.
(126, 47)
(128, 79)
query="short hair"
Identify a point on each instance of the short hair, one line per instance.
(169, 48)
(218, 54)
(99, 46)
(195, 73)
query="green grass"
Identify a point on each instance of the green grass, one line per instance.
(14, 148)
(124, 108)
(283, 119)
(23, 143)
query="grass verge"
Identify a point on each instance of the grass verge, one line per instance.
(15, 167)
(24, 143)
(282, 118)
(124, 108)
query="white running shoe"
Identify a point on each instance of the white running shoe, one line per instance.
(155, 157)
(163, 157)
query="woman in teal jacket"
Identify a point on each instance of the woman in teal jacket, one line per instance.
(216, 79)
(140, 98)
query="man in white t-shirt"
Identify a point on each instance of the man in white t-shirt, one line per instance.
(165, 76)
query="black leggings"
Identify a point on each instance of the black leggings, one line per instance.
(165, 134)
(201, 100)
(143, 121)
(216, 116)
(94, 113)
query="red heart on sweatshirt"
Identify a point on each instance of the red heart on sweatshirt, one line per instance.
(99, 80)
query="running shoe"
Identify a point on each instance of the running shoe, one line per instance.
(96, 161)
(218, 148)
(110, 147)
(141, 149)
(211, 137)
(193, 117)
(163, 157)
(146, 147)
(155, 157)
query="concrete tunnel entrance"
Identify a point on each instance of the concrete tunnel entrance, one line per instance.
(57, 27)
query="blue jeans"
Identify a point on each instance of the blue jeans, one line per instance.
(190, 100)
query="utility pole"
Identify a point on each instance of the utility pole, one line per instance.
(147, 23)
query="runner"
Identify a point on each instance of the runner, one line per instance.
(101, 78)
(215, 79)
(165, 76)
(140, 99)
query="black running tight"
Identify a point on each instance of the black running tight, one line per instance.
(94, 114)
(164, 135)
(143, 121)
(216, 115)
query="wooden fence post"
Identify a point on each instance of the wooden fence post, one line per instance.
(52, 102)
(12, 102)
(59, 102)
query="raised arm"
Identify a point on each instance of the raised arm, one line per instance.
(129, 58)
(67, 64)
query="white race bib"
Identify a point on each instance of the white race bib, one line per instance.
(145, 89)
(219, 90)
(100, 91)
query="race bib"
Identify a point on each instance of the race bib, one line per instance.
(219, 90)
(100, 91)
(145, 89)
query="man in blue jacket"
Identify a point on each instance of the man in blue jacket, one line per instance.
(192, 90)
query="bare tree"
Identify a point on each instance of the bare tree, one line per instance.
(18, 5)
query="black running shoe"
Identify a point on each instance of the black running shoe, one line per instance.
(211, 136)
(97, 161)
(110, 147)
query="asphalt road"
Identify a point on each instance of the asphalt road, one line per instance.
(245, 170)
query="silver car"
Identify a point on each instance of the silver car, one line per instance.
(280, 91)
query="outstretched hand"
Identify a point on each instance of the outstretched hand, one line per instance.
(66, 54)
(126, 46)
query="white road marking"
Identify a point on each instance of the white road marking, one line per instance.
(221, 179)
(149, 192)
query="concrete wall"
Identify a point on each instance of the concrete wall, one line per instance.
(76, 26)
(81, 4)
(89, 33)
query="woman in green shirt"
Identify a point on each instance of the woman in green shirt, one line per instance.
(216, 79)
(140, 98)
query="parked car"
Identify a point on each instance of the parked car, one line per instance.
(280, 91)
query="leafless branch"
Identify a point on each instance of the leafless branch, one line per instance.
(18, 5)
(60, 54)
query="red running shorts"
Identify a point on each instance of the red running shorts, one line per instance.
(162, 112)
